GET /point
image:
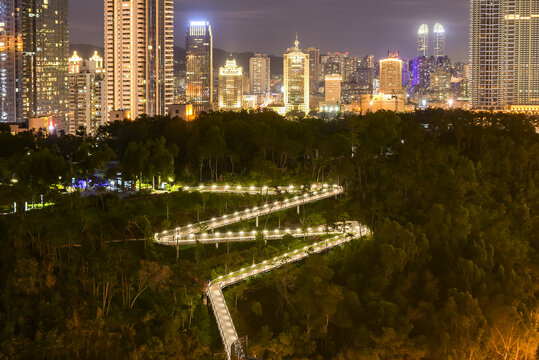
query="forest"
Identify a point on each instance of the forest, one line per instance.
(451, 271)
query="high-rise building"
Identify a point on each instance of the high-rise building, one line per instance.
(230, 86)
(485, 49)
(339, 63)
(423, 40)
(440, 85)
(314, 69)
(45, 38)
(439, 40)
(391, 74)
(332, 87)
(259, 74)
(520, 52)
(139, 52)
(365, 75)
(199, 63)
(11, 61)
(420, 74)
(86, 101)
(504, 53)
(296, 79)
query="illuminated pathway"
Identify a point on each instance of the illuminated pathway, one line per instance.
(215, 287)
(245, 236)
(190, 234)
(183, 232)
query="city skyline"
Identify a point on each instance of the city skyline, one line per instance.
(323, 26)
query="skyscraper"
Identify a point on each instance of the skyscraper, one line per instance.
(139, 51)
(86, 80)
(314, 68)
(259, 74)
(520, 52)
(45, 38)
(485, 49)
(420, 74)
(332, 87)
(423, 40)
(230, 86)
(391, 74)
(11, 61)
(296, 79)
(439, 40)
(199, 62)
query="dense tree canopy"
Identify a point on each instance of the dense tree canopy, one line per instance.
(451, 271)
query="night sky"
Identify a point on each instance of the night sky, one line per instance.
(358, 26)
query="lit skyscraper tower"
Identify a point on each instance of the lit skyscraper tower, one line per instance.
(314, 68)
(230, 86)
(85, 94)
(296, 79)
(199, 63)
(423, 40)
(259, 74)
(391, 75)
(520, 52)
(485, 49)
(139, 51)
(439, 40)
(332, 88)
(45, 39)
(11, 61)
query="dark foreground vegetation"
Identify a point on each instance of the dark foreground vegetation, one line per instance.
(452, 271)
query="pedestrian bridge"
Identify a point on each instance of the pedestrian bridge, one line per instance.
(341, 233)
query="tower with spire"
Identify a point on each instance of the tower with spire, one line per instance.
(296, 79)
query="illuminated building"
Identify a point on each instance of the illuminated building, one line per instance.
(391, 74)
(374, 103)
(365, 75)
(314, 69)
(86, 82)
(296, 79)
(139, 56)
(520, 52)
(420, 74)
(332, 87)
(11, 61)
(423, 40)
(339, 63)
(504, 53)
(485, 35)
(188, 112)
(46, 53)
(199, 63)
(439, 40)
(230, 86)
(119, 115)
(440, 85)
(259, 74)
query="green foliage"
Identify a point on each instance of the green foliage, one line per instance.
(450, 272)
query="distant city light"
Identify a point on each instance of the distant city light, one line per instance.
(198, 23)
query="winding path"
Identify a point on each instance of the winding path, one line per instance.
(190, 234)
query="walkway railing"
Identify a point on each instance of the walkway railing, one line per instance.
(247, 214)
(197, 233)
(214, 291)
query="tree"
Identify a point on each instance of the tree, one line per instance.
(135, 162)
